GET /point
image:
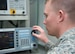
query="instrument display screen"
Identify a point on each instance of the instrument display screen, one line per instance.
(3, 4)
(6, 40)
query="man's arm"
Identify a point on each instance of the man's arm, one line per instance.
(49, 45)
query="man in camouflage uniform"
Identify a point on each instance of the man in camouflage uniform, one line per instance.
(59, 22)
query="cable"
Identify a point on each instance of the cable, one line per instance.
(15, 25)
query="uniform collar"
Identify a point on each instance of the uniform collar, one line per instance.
(67, 33)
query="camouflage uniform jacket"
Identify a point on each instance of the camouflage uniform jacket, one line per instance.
(65, 44)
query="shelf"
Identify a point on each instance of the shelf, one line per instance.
(14, 18)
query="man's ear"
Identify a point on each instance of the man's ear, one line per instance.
(61, 16)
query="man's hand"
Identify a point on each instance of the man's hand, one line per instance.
(41, 35)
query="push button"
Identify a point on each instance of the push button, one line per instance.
(12, 11)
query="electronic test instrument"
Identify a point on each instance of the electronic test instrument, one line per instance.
(17, 39)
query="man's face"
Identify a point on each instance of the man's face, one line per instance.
(51, 19)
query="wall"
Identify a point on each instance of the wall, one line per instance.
(33, 12)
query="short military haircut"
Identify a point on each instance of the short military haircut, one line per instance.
(66, 5)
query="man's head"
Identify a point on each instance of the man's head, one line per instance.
(60, 14)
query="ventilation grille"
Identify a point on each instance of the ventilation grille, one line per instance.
(25, 42)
